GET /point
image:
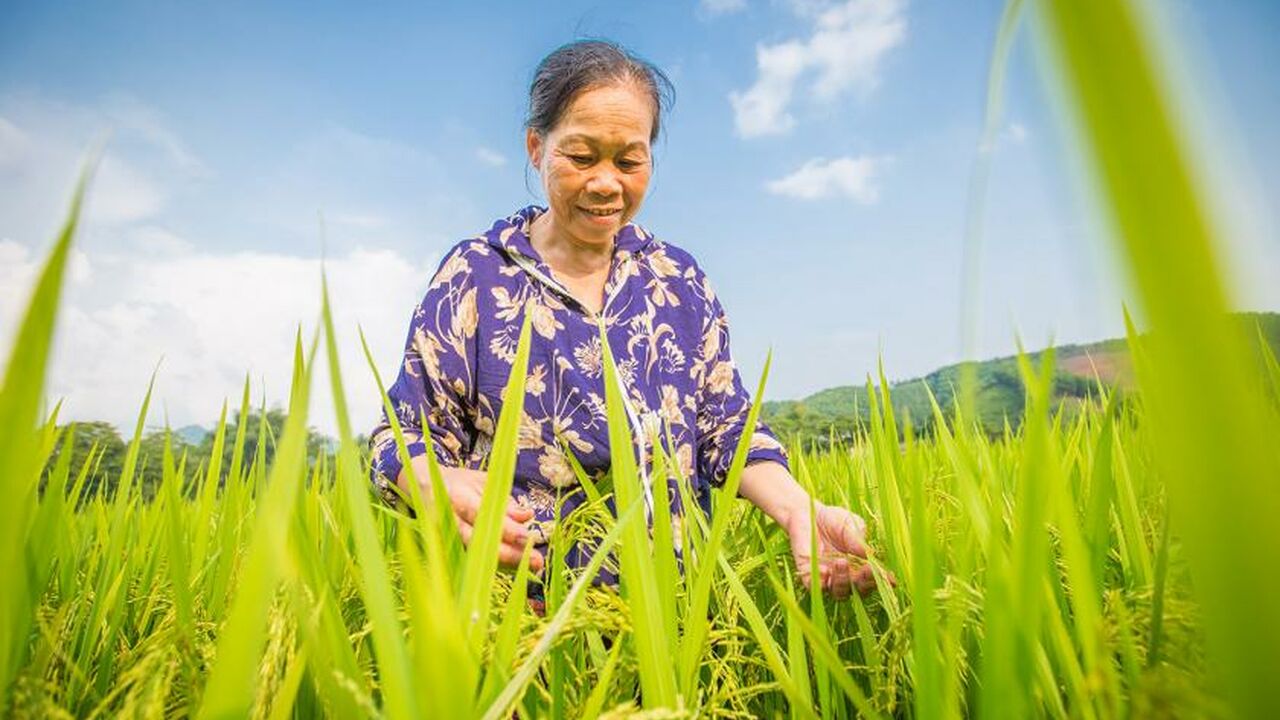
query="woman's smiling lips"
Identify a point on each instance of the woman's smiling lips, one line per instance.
(603, 219)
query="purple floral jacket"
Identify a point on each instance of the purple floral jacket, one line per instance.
(670, 341)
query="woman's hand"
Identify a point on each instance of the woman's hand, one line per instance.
(842, 536)
(841, 550)
(466, 488)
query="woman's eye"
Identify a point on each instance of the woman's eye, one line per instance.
(580, 158)
(628, 164)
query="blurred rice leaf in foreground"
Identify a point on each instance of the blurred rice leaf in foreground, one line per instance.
(1216, 446)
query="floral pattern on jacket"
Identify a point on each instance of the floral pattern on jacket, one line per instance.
(668, 334)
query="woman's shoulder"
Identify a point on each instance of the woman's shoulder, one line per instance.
(678, 269)
(461, 261)
(480, 255)
(492, 249)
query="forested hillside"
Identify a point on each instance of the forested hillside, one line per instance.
(999, 394)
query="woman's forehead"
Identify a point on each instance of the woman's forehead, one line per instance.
(614, 115)
(605, 138)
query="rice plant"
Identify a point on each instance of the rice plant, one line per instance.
(1103, 562)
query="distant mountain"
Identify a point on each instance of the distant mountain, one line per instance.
(192, 434)
(1078, 369)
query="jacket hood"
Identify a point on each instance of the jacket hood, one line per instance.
(508, 234)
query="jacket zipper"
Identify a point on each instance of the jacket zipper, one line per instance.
(637, 429)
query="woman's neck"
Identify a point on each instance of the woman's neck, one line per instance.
(565, 254)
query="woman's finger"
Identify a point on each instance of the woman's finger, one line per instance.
(802, 575)
(508, 553)
(466, 502)
(514, 533)
(864, 580)
(518, 512)
(509, 556)
(840, 580)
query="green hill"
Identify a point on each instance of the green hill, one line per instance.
(1078, 369)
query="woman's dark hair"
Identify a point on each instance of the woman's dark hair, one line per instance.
(587, 64)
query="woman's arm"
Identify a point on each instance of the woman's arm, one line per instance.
(723, 407)
(771, 488)
(430, 398)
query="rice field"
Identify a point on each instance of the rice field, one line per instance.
(1114, 562)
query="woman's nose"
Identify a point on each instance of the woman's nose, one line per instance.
(604, 182)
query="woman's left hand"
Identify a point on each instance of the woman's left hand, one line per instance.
(841, 551)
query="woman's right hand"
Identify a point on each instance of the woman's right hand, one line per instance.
(466, 488)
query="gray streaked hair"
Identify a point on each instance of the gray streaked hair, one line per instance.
(588, 64)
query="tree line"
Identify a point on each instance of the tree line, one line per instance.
(111, 450)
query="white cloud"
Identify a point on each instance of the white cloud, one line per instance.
(141, 286)
(762, 110)
(490, 157)
(1018, 132)
(845, 52)
(213, 318)
(121, 193)
(819, 178)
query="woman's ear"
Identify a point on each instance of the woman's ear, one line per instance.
(534, 146)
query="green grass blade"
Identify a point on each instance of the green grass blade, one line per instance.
(482, 555)
(376, 589)
(445, 526)
(825, 650)
(801, 703)
(928, 667)
(20, 458)
(232, 683)
(695, 633)
(501, 707)
(637, 573)
(595, 701)
(446, 670)
(504, 643)
(176, 536)
(667, 574)
(1109, 63)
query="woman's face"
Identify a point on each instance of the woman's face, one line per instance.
(595, 158)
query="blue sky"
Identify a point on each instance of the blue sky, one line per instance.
(816, 162)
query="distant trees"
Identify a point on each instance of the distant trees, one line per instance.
(253, 428)
(108, 461)
(109, 457)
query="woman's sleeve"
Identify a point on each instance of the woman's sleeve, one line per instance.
(722, 401)
(436, 383)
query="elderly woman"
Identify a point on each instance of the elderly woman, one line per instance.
(594, 112)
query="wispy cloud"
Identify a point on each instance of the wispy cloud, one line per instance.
(43, 143)
(144, 285)
(491, 157)
(721, 7)
(845, 52)
(819, 178)
(1015, 133)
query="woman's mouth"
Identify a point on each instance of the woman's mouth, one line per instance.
(601, 216)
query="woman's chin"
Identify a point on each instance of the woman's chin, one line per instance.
(594, 229)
